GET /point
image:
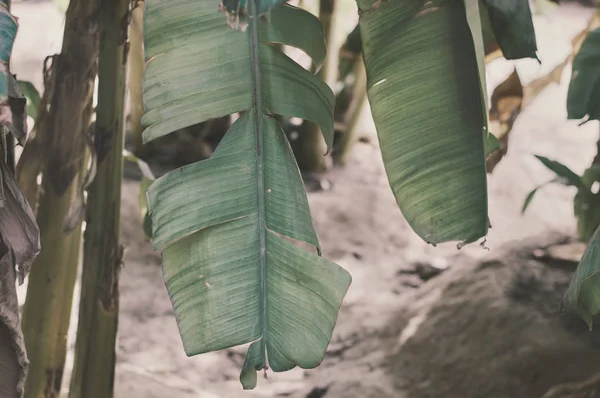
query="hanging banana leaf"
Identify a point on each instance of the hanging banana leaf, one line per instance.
(510, 24)
(226, 226)
(428, 107)
(583, 98)
(583, 295)
(19, 233)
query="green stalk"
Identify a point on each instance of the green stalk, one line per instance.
(93, 372)
(136, 71)
(309, 148)
(47, 309)
(49, 300)
(352, 114)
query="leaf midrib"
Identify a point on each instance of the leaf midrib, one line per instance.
(258, 126)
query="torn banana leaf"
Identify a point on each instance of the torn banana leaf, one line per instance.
(19, 233)
(583, 98)
(428, 106)
(230, 227)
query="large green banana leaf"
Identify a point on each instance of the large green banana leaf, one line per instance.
(583, 98)
(428, 107)
(227, 226)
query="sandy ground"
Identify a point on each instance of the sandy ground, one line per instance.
(359, 224)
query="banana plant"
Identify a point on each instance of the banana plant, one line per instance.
(241, 257)
(583, 103)
(230, 228)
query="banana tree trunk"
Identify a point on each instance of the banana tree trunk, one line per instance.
(93, 373)
(61, 144)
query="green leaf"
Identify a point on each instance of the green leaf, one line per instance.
(490, 143)
(228, 226)
(528, 199)
(570, 178)
(587, 203)
(583, 295)
(147, 179)
(430, 121)
(586, 206)
(531, 194)
(142, 166)
(583, 98)
(147, 220)
(32, 96)
(512, 27)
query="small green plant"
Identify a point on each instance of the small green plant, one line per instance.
(583, 103)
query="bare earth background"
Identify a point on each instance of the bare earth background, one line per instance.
(390, 340)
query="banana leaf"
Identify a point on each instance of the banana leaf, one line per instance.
(241, 257)
(428, 105)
